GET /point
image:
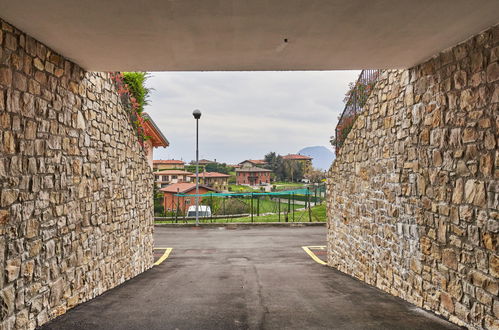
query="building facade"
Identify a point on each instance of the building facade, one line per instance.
(252, 176)
(302, 159)
(172, 202)
(215, 180)
(167, 177)
(167, 164)
(252, 163)
(204, 162)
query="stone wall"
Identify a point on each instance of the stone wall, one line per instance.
(414, 193)
(76, 190)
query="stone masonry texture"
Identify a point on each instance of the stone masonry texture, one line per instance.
(76, 190)
(414, 193)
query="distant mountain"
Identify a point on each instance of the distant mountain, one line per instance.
(322, 156)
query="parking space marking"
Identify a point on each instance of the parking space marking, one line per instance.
(164, 256)
(312, 255)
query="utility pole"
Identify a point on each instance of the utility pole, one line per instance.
(197, 114)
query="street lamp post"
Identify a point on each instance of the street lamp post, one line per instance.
(197, 114)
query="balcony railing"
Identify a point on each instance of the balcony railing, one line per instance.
(356, 99)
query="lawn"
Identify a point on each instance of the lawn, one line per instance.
(265, 205)
(234, 188)
(288, 184)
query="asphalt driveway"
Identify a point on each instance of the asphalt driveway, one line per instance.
(258, 278)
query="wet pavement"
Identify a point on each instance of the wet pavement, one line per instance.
(245, 278)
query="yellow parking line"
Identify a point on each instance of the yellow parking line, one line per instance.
(164, 256)
(312, 255)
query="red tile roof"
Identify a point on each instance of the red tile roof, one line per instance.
(296, 157)
(252, 169)
(211, 175)
(172, 172)
(255, 161)
(153, 131)
(205, 161)
(182, 187)
(168, 161)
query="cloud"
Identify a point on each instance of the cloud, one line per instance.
(246, 114)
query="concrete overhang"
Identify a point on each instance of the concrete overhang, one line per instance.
(178, 35)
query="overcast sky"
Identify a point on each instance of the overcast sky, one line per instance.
(246, 114)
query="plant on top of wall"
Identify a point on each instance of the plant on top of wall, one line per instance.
(355, 99)
(358, 93)
(136, 85)
(135, 95)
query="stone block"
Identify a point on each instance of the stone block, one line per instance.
(20, 82)
(7, 300)
(447, 302)
(5, 76)
(12, 269)
(37, 63)
(494, 265)
(4, 217)
(489, 241)
(8, 197)
(449, 258)
(492, 72)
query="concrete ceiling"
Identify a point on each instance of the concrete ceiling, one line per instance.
(184, 35)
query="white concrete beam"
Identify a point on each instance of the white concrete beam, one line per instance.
(128, 35)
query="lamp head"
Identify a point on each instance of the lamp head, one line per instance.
(197, 114)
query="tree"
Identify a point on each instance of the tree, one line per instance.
(284, 169)
(316, 176)
(275, 164)
(159, 209)
(293, 170)
(217, 167)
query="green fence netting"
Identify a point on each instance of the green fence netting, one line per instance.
(297, 205)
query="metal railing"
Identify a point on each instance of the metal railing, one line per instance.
(356, 99)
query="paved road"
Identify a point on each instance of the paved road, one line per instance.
(258, 278)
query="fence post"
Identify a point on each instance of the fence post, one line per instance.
(223, 207)
(172, 205)
(279, 208)
(309, 207)
(185, 213)
(293, 196)
(176, 213)
(289, 208)
(257, 206)
(251, 207)
(211, 207)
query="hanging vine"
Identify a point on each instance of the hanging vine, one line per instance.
(134, 94)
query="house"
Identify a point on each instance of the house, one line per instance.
(204, 162)
(156, 138)
(168, 164)
(171, 202)
(252, 176)
(167, 177)
(253, 162)
(215, 180)
(304, 160)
